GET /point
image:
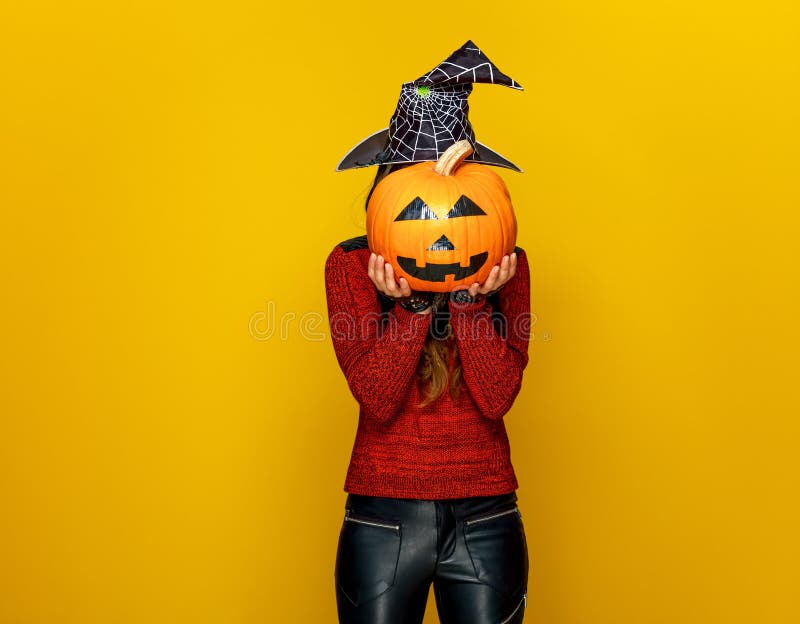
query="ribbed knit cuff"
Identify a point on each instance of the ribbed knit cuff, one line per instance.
(417, 323)
(472, 322)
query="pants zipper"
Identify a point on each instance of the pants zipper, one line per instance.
(514, 612)
(496, 515)
(349, 518)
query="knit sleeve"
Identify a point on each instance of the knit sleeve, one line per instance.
(378, 359)
(492, 360)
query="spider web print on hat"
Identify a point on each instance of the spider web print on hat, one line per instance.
(432, 114)
(428, 121)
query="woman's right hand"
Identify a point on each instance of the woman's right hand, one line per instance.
(382, 275)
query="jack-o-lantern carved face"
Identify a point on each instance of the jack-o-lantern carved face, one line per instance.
(441, 230)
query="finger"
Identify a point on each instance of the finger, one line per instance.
(506, 266)
(405, 289)
(371, 266)
(489, 284)
(510, 270)
(379, 278)
(473, 290)
(502, 275)
(391, 283)
(513, 269)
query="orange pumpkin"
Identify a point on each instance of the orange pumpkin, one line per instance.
(442, 224)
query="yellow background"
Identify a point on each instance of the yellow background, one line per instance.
(175, 430)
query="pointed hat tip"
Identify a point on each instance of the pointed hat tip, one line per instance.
(471, 45)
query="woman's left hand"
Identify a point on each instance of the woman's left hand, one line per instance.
(499, 275)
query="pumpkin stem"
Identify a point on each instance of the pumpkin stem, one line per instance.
(453, 157)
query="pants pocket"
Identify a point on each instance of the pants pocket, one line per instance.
(367, 556)
(498, 549)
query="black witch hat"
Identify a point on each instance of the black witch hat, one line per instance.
(432, 115)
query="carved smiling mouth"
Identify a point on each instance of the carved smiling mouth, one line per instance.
(436, 272)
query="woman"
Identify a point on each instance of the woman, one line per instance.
(431, 489)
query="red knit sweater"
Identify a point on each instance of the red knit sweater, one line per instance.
(451, 448)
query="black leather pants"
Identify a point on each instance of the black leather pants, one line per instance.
(390, 550)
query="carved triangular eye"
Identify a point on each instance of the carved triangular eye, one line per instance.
(465, 207)
(416, 210)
